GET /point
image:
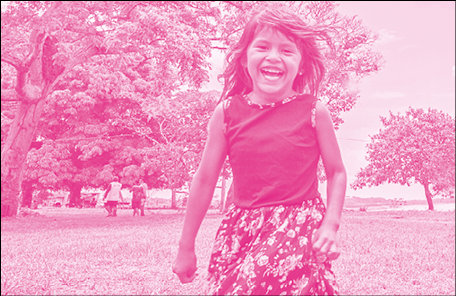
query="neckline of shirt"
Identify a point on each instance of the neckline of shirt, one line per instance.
(271, 105)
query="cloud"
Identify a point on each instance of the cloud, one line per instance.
(388, 36)
(386, 95)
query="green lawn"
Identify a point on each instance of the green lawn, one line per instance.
(80, 251)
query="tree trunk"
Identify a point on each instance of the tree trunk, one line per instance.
(75, 195)
(27, 194)
(223, 195)
(32, 91)
(173, 199)
(14, 153)
(428, 195)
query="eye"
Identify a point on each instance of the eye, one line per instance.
(264, 47)
(288, 51)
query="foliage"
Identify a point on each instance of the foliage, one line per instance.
(418, 146)
(45, 41)
(99, 71)
(163, 151)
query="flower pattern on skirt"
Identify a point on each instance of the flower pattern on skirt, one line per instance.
(268, 250)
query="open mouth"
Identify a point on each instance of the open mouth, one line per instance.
(272, 74)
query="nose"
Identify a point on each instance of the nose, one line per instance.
(273, 55)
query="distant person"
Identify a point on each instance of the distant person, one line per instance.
(137, 199)
(113, 195)
(143, 185)
(278, 237)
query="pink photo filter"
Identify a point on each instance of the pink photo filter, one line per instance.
(117, 119)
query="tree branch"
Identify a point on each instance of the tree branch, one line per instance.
(234, 4)
(16, 63)
(130, 9)
(161, 130)
(142, 62)
(10, 95)
(83, 56)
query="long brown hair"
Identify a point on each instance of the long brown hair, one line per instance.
(236, 78)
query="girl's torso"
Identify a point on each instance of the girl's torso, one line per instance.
(273, 151)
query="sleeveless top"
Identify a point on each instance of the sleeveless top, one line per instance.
(114, 191)
(273, 151)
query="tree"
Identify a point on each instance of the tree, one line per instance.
(415, 147)
(44, 41)
(89, 126)
(183, 129)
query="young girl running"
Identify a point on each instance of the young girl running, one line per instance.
(277, 237)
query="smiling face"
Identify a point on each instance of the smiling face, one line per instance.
(273, 63)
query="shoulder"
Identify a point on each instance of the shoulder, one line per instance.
(323, 120)
(320, 110)
(217, 117)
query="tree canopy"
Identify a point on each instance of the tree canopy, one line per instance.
(79, 76)
(417, 146)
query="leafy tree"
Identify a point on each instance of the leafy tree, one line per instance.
(90, 158)
(415, 147)
(44, 41)
(88, 126)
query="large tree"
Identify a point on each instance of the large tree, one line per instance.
(44, 41)
(418, 147)
(83, 151)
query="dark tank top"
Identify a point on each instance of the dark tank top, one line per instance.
(273, 151)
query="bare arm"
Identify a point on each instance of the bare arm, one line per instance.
(201, 192)
(335, 173)
(205, 179)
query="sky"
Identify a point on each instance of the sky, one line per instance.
(417, 41)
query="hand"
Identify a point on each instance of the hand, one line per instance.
(185, 266)
(324, 244)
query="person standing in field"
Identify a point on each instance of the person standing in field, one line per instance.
(143, 185)
(113, 195)
(138, 198)
(278, 237)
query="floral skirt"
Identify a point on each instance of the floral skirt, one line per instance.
(268, 250)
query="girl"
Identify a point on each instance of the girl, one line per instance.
(277, 237)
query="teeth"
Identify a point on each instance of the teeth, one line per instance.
(272, 71)
(272, 74)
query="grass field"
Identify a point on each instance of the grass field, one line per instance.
(79, 251)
